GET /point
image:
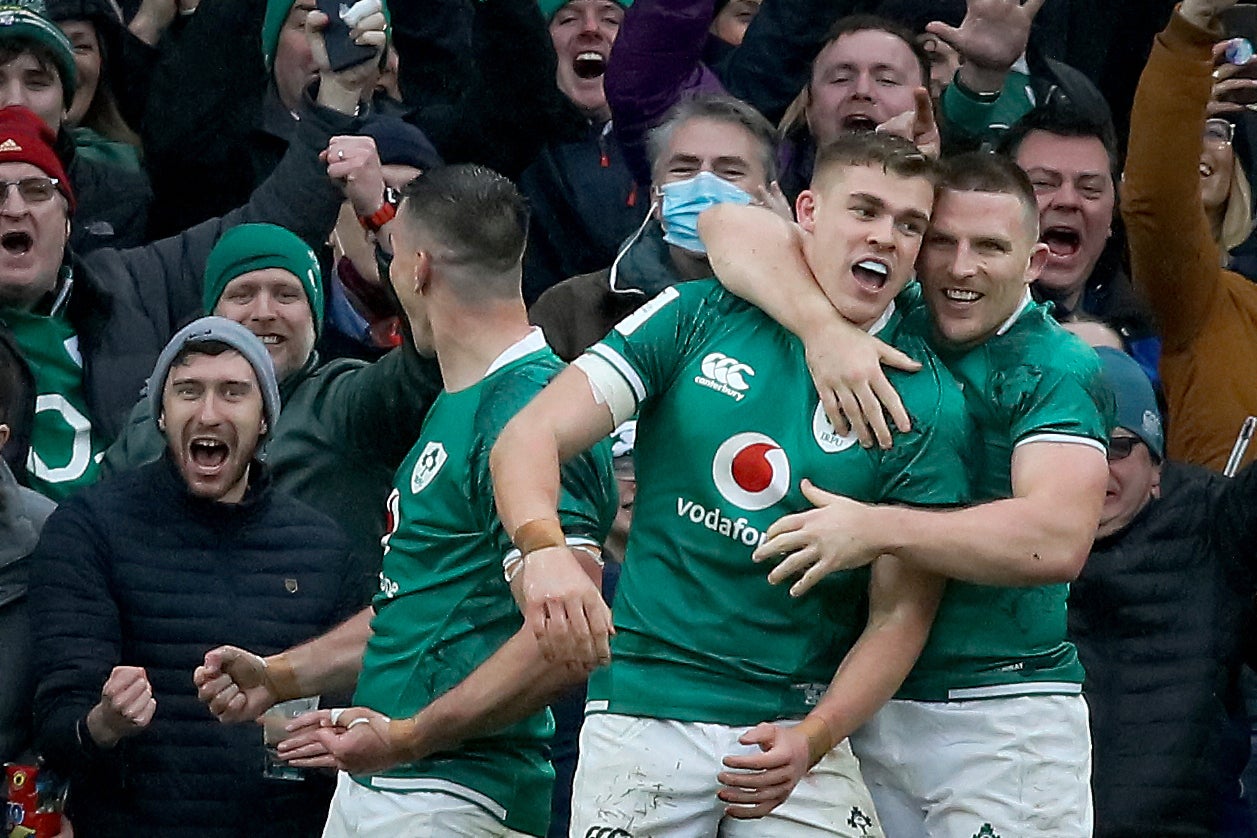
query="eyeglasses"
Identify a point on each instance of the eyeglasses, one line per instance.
(1218, 132)
(34, 190)
(1121, 446)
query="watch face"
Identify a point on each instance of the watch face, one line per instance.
(392, 196)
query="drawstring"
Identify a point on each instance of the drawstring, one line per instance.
(632, 240)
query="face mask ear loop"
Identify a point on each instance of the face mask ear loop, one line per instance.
(632, 240)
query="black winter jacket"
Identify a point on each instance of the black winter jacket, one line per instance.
(1157, 616)
(135, 571)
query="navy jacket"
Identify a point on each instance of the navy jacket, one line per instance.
(1158, 616)
(135, 571)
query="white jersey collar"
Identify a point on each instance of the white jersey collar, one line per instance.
(1025, 304)
(534, 340)
(880, 323)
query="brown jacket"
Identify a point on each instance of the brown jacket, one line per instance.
(1207, 315)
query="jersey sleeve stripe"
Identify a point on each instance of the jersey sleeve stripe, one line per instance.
(614, 379)
(1070, 439)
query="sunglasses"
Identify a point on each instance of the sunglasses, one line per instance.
(1121, 446)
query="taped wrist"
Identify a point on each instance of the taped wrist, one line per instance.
(820, 739)
(402, 739)
(538, 534)
(281, 678)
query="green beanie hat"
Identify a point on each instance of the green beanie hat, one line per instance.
(28, 19)
(277, 12)
(253, 247)
(549, 8)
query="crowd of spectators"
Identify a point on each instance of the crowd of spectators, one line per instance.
(267, 274)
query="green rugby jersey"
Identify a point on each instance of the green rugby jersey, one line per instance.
(65, 455)
(729, 424)
(444, 606)
(1033, 381)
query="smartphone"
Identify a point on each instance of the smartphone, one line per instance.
(342, 52)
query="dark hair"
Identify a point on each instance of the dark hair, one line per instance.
(14, 48)
(17, 403)
(982, 171)
(1063, 120)
(717, 108)
(865, 23)
(477, 215)
(894, 154)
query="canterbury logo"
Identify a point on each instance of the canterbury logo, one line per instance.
(725, 375)
(607, 832)
(9, 145)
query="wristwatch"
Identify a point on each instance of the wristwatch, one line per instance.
(373, 222)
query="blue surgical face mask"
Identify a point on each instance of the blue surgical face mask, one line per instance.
(684, 200)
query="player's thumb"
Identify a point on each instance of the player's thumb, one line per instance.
(815, 496)
(762, 734)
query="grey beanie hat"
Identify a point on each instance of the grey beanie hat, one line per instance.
(238, 338)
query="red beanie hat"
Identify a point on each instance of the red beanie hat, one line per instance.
(25, 138)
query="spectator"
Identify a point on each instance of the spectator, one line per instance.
(240, 109)
(695, 693)
(90, 326)
(346, 425)
(1069, 152)
(39, 67)
(363, 320)
(1157, 615)
(867, 73)
(1206, 313)
(22, 514)
(461, 749)
(731, 19)
(705, 138)
(584, 199)
(667, 51)
(95, 117)
(127, 610)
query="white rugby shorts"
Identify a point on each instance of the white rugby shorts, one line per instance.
(639, 776)
(990, 768)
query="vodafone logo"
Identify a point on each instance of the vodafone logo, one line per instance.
(725, 375)
(751, 471)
